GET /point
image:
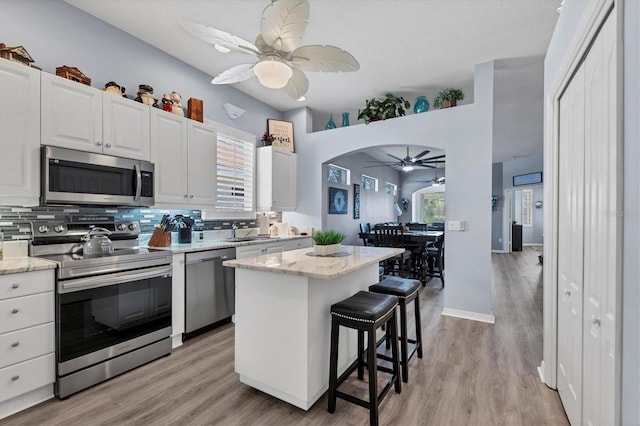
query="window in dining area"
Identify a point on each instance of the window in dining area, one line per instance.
(369, 183)
(338, 174)
(432, 207)
(390, 188)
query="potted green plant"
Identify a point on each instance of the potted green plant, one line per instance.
(327, 242)
(380, 109)
(448, 98)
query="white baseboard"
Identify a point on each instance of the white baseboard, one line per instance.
(474, 316)
(541, 371)
(499, 251)
(532, 245)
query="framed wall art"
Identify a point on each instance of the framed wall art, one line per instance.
(356, 201)
(338, 200)
(282, 132)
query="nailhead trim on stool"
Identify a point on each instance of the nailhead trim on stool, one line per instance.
(364, 312)
(406, 290)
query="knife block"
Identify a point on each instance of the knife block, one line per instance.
(160, 238)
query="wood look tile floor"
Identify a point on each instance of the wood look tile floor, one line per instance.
(472, 373)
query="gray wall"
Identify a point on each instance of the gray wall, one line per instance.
(498, 212)
(407, 188)
(57, 34)
(521, 166)
(375, 207)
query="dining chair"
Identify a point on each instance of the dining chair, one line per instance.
(391, 236)
(435, 259)
(365, 236)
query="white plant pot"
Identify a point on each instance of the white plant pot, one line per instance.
(327, 250)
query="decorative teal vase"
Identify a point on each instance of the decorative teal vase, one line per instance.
(422, 105)
(345, 119)
(330, 123)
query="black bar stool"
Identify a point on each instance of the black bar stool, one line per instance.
(405, 290)
(364, 311)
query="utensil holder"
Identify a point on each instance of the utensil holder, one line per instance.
(160, 238)
(184, 235)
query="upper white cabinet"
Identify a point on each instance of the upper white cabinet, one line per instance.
(80, 117)
(20, 141)
(276, 182)
(184, 153)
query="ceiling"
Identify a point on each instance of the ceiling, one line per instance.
(408, 47)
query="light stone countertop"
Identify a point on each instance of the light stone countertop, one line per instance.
(175, 247)
(15, 265)
(297, 262)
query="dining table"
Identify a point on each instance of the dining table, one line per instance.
(416, 242)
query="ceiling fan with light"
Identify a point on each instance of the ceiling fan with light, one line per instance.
(409, 163)
(281, 60)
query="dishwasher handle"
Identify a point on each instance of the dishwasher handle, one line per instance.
(208, 259)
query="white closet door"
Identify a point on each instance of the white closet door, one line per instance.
(601, 233)
(570, 246)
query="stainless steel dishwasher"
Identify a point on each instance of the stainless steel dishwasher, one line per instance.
(209, 288)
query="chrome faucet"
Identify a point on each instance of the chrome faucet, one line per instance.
(234, 226)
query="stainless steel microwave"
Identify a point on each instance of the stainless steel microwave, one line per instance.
(86, 178)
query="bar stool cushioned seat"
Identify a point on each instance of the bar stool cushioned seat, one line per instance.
(364, 311)
(406, 290)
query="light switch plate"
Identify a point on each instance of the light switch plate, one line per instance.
(455, 225)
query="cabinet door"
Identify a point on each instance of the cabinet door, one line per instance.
(125, 127)
(202, 164)
(20, 142)
(284, 170)
(249, 251)
(169, 154)
(71, 114)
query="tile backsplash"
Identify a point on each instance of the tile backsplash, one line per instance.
(15, 222)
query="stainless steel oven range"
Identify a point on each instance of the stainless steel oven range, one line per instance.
(113, 311)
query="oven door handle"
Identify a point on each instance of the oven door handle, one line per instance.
(138, 182)
(78, 284)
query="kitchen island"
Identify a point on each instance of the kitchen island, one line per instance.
(282, 320)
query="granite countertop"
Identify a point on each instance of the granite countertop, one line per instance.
(298, 262)
(24, 264)
(175, 247)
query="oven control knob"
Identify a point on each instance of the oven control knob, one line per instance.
(59, 228)
(133, 226)
(122, 227)
(43, 229)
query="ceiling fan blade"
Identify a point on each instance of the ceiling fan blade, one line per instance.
(379, 165)
(284, 23)
(397, 158)
(297, 85)
(234, 74)
(433, 158)
(215, 36)
(426, 165)
(324, 58)
(422, 154)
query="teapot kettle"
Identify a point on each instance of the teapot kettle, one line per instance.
(96, 243)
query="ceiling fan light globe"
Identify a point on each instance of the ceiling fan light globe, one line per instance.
(222, 49)
(273, 73)
(407, 168)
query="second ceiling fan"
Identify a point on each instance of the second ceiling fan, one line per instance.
(410, 162)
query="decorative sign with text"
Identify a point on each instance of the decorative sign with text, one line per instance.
(282, 132)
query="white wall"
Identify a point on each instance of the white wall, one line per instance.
(56, 34)
(465, 133)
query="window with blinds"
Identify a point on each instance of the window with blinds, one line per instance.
(235, 179)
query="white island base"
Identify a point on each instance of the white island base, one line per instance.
(283, 324)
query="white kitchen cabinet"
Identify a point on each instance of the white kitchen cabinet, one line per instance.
(258, 249)
(184, 153)
(20, 142)
(178, 299)
(276, 182)
(27, 340)
(297, 243)
(78, 116)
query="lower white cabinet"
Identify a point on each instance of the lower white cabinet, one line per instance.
(297, 243)
(27, 340)
(258, 249)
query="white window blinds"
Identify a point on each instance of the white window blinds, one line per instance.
(235, 165)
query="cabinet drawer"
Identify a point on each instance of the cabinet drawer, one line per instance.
(26, 344)
(23, 312)
(298, 243)
(26, 283)
(26, 376)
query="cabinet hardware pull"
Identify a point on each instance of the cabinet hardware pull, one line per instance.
(191, 196)
(567, 292)
(15, 310)
(16, 377)
(99, 143)
(15, 344)
(108, 145)
(186, 195)
(14, 286)
(595, 320)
